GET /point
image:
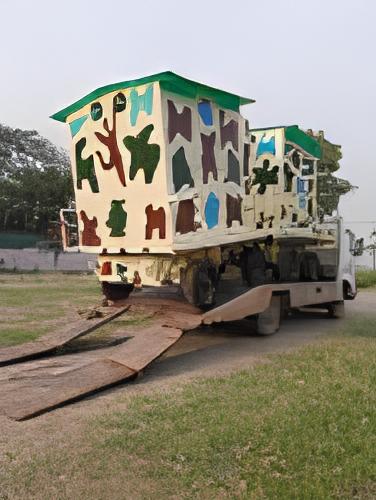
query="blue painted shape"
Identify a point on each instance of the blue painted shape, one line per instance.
(266, 146)
(302, 200)
(300, 185)
(143, 102)
(205, 112)
(75, 125)
(212, 210)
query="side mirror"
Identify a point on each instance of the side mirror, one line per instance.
(358, 247)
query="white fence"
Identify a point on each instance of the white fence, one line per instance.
(31, 259)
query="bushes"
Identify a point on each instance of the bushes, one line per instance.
(365, 278)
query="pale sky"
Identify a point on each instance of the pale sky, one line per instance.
(310, 63)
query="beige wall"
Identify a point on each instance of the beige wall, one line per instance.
(137, 194)
(161, 192)
(220, 234)
(270, 203)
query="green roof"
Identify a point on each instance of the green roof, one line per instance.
(260, 129)
(169, 81)
(297, 136)
(305, 141)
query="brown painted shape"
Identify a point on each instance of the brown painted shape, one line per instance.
(89, 236)
(208, 157)
(234, 209)
(179, 123)
(155, 219)
(228, 132)
(185, 219)
(110, 142)
(247, 151)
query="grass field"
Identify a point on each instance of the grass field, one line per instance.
(31, 304)
(301, 425)
(365, 278)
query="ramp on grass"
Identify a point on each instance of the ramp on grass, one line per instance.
(30, 389)
(52, 341)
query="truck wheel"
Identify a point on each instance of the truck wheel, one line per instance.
(336, 309)
(269, 320)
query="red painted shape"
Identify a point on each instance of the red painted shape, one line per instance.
(89, 236)
(106, 268)
(155, 219)
(185, 219)
(137, 282)
(234, 209)
(229, 132)
(179, 122)
(110, 142)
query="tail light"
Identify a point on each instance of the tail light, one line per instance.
(106, 268)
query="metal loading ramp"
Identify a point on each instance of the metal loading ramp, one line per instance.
(34, 387)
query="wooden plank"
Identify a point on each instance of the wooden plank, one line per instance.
(23, 399)
(146, 346)
(50, 342)
(34, 390)
(43, 392)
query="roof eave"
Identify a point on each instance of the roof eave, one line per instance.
(166, 76)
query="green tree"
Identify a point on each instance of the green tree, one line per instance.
(372, 247)
(35, 180)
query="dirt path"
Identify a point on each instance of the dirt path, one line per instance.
(205, 352)
(232, 346)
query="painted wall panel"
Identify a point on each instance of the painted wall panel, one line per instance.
(123, 155)
(158, 171)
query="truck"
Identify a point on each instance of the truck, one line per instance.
(178, 196)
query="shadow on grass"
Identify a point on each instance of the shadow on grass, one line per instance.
(360, 327)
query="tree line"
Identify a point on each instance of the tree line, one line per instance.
(35, 181)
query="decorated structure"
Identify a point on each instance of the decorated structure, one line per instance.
(168, 175)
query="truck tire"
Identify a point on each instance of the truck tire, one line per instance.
(198, 283)
(269, 320)
(336, 309)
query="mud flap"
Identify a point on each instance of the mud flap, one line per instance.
(269, 320)
(336, 309)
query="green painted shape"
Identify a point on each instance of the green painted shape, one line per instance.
(181, 173)
(85, 168)
(117, 219)
(264, 176)
(144, 156)
(170, 82)
(75, 125)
